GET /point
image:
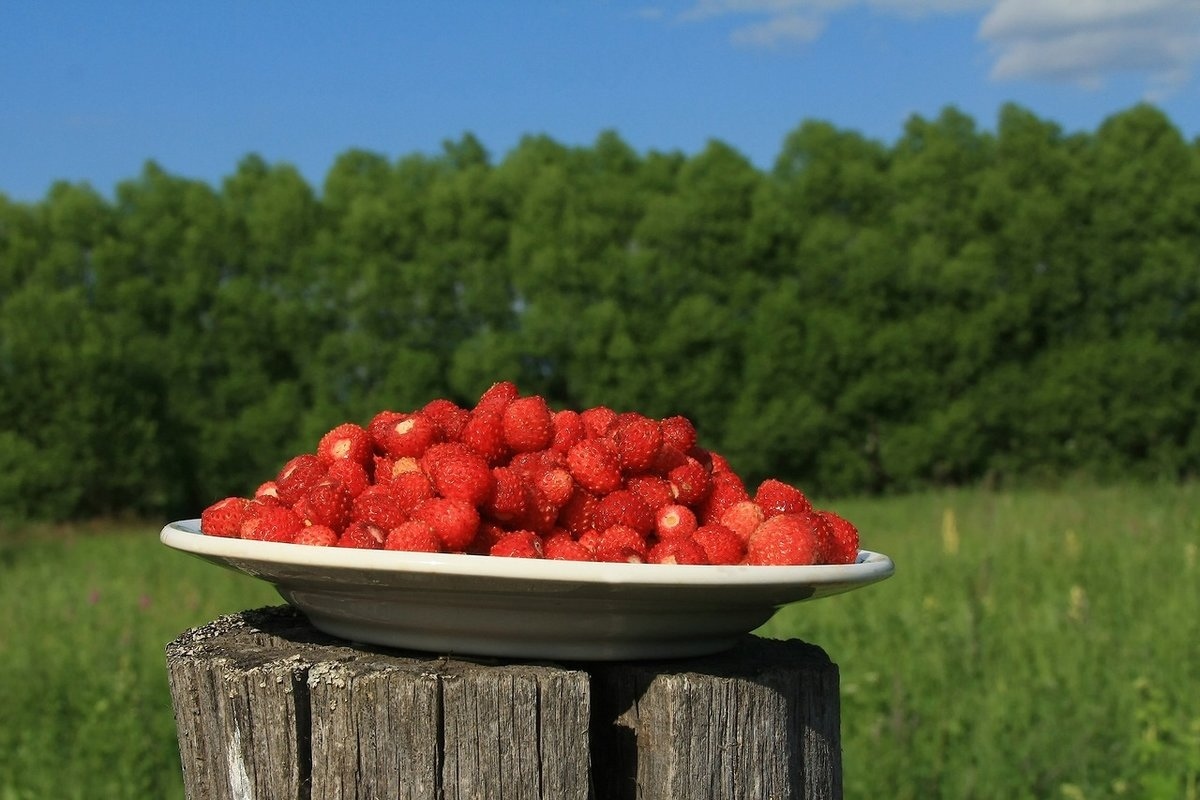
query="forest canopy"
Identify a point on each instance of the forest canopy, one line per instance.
(962, 305)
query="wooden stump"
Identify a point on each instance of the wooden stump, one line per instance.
(268, 707)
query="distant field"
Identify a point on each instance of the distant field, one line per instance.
(1031, 644)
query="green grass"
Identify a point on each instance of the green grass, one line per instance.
(1053, 652)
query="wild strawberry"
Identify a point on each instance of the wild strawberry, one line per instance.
(328, 503)
(399, 435)
(435, 452)
(621, 544)
(462, 477)
(568, 429)
(743, 518)
(362, 535)
(484, 433)
(527, 424)
(349, 441)
(532, 465)
(268, 522)
(590, 540)
(379, 506)
(727, 490)
(843, 544)
(576, 515)
(317, 536)
(497, 397)
(540, 511)
(509, 496)
(596, 420)
(654, 491)
(350, 474)
(454, 521)
(387, 468)
(410, 489)
(690, 482)
(594, 466)
(683, 550)
(721, 545)
(556, 485)
(776, 497)
(638, 440)
(787, 539)
(414, 536)
(623, 507)
(267, 489)
(448, 416)
(298, 476)
(224, 517)
(678, 432)
(668, 458)
(561, 547)
(518, 544)
(674, 521)
(488, 534)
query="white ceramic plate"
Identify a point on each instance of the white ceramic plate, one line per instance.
(526, 608)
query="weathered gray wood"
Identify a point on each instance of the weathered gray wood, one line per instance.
(760, 721)
(268, 707)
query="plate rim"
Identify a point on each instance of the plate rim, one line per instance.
(185, 535)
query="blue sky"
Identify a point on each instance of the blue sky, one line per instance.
(89, 91)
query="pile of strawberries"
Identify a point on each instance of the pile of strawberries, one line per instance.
(511, 477)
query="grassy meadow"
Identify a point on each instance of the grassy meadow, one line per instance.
(1031, 644)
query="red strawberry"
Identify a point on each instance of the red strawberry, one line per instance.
(727, 490)
(654, 491)
(401, 435)
(596, 420)
(298, 477)
(224, 517)
(497, 397)
(484, 433)
(350, 474)
(362, 535)
(568, 429)
(776, 497)
(576, 515)
(348, 441)
(509, 497)
(527, 424)
(380, 507)
(594, 466)
(454, 521)
(447, 415)
(721, 545)
(269, 522)
(674, 521)
(328, 503)
(267, 489)
(556, 486)
(561, 547)
(843, 544)
(623, 507)
(638, 440)
(317, 536)
(410, 489)
(621, 543)
(788, 539)
(683, 550)
(518, 544)
(462, 477)
(678, 432)
(690, 482)
(743, 518)
(415, 536)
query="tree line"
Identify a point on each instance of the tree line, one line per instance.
(962, 305)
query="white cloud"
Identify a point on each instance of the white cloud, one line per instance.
(1085, 41)
(1075, 41)
(782, 29)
